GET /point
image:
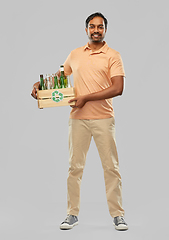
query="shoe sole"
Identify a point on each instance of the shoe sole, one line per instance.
(121, 227)
(67, 226)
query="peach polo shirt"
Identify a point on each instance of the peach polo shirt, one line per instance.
(92, 72)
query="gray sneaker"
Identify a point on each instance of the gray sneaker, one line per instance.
(69, 222)
(120, 224)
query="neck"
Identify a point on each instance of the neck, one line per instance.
(96, 45)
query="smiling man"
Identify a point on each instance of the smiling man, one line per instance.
(98, 77)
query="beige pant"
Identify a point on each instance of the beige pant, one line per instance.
(80, 134)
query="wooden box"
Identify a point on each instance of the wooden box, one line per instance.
(55, 97)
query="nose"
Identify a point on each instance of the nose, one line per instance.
(96, 29)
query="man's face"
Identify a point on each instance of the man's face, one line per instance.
(96, 29)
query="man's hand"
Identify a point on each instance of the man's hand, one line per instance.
(36, 87)
(80, 101)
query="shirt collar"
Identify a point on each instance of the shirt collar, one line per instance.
(102, 49)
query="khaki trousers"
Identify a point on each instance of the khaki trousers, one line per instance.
(103, 133)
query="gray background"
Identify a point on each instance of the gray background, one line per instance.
(36, 37)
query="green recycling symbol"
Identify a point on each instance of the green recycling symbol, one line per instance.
(55, 98)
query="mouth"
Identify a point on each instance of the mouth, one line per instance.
(96, 35)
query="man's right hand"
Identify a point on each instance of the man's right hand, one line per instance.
(36, 87)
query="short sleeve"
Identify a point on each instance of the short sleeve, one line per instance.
(116, 66)
(67, 65)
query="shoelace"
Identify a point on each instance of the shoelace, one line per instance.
(67, 219)
(121, 220)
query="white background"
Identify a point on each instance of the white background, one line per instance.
(36, 37)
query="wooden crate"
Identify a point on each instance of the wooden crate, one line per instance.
(55, 97)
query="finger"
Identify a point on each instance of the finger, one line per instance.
(72, 100)
(35, 91)
(34, 96)
(73, 106)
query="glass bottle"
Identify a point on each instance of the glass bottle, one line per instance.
(68, 82)
(63, 79)
(55, 82)
(47, 81)
(51, 82)
(42, 87)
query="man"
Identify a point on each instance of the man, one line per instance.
(98, 77)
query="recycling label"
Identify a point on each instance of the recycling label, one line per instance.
(57, 96)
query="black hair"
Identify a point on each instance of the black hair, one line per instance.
(97, 14)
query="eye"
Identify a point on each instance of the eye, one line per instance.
(91, 26)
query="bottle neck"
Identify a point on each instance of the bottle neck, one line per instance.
(62, 70)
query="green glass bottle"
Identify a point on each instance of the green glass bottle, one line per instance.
(42, 87)
(62, 76)
(63, 79)
(65, 82)
(55, 82)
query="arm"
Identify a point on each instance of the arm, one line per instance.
(115, 90)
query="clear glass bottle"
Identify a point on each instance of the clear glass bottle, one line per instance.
(51, 81)
(47, 81)
(68, 82)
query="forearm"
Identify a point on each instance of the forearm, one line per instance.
(109, 92)
(114, 90)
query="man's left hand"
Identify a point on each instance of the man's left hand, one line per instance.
(80, 101)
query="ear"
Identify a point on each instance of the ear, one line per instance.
(86, 31)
